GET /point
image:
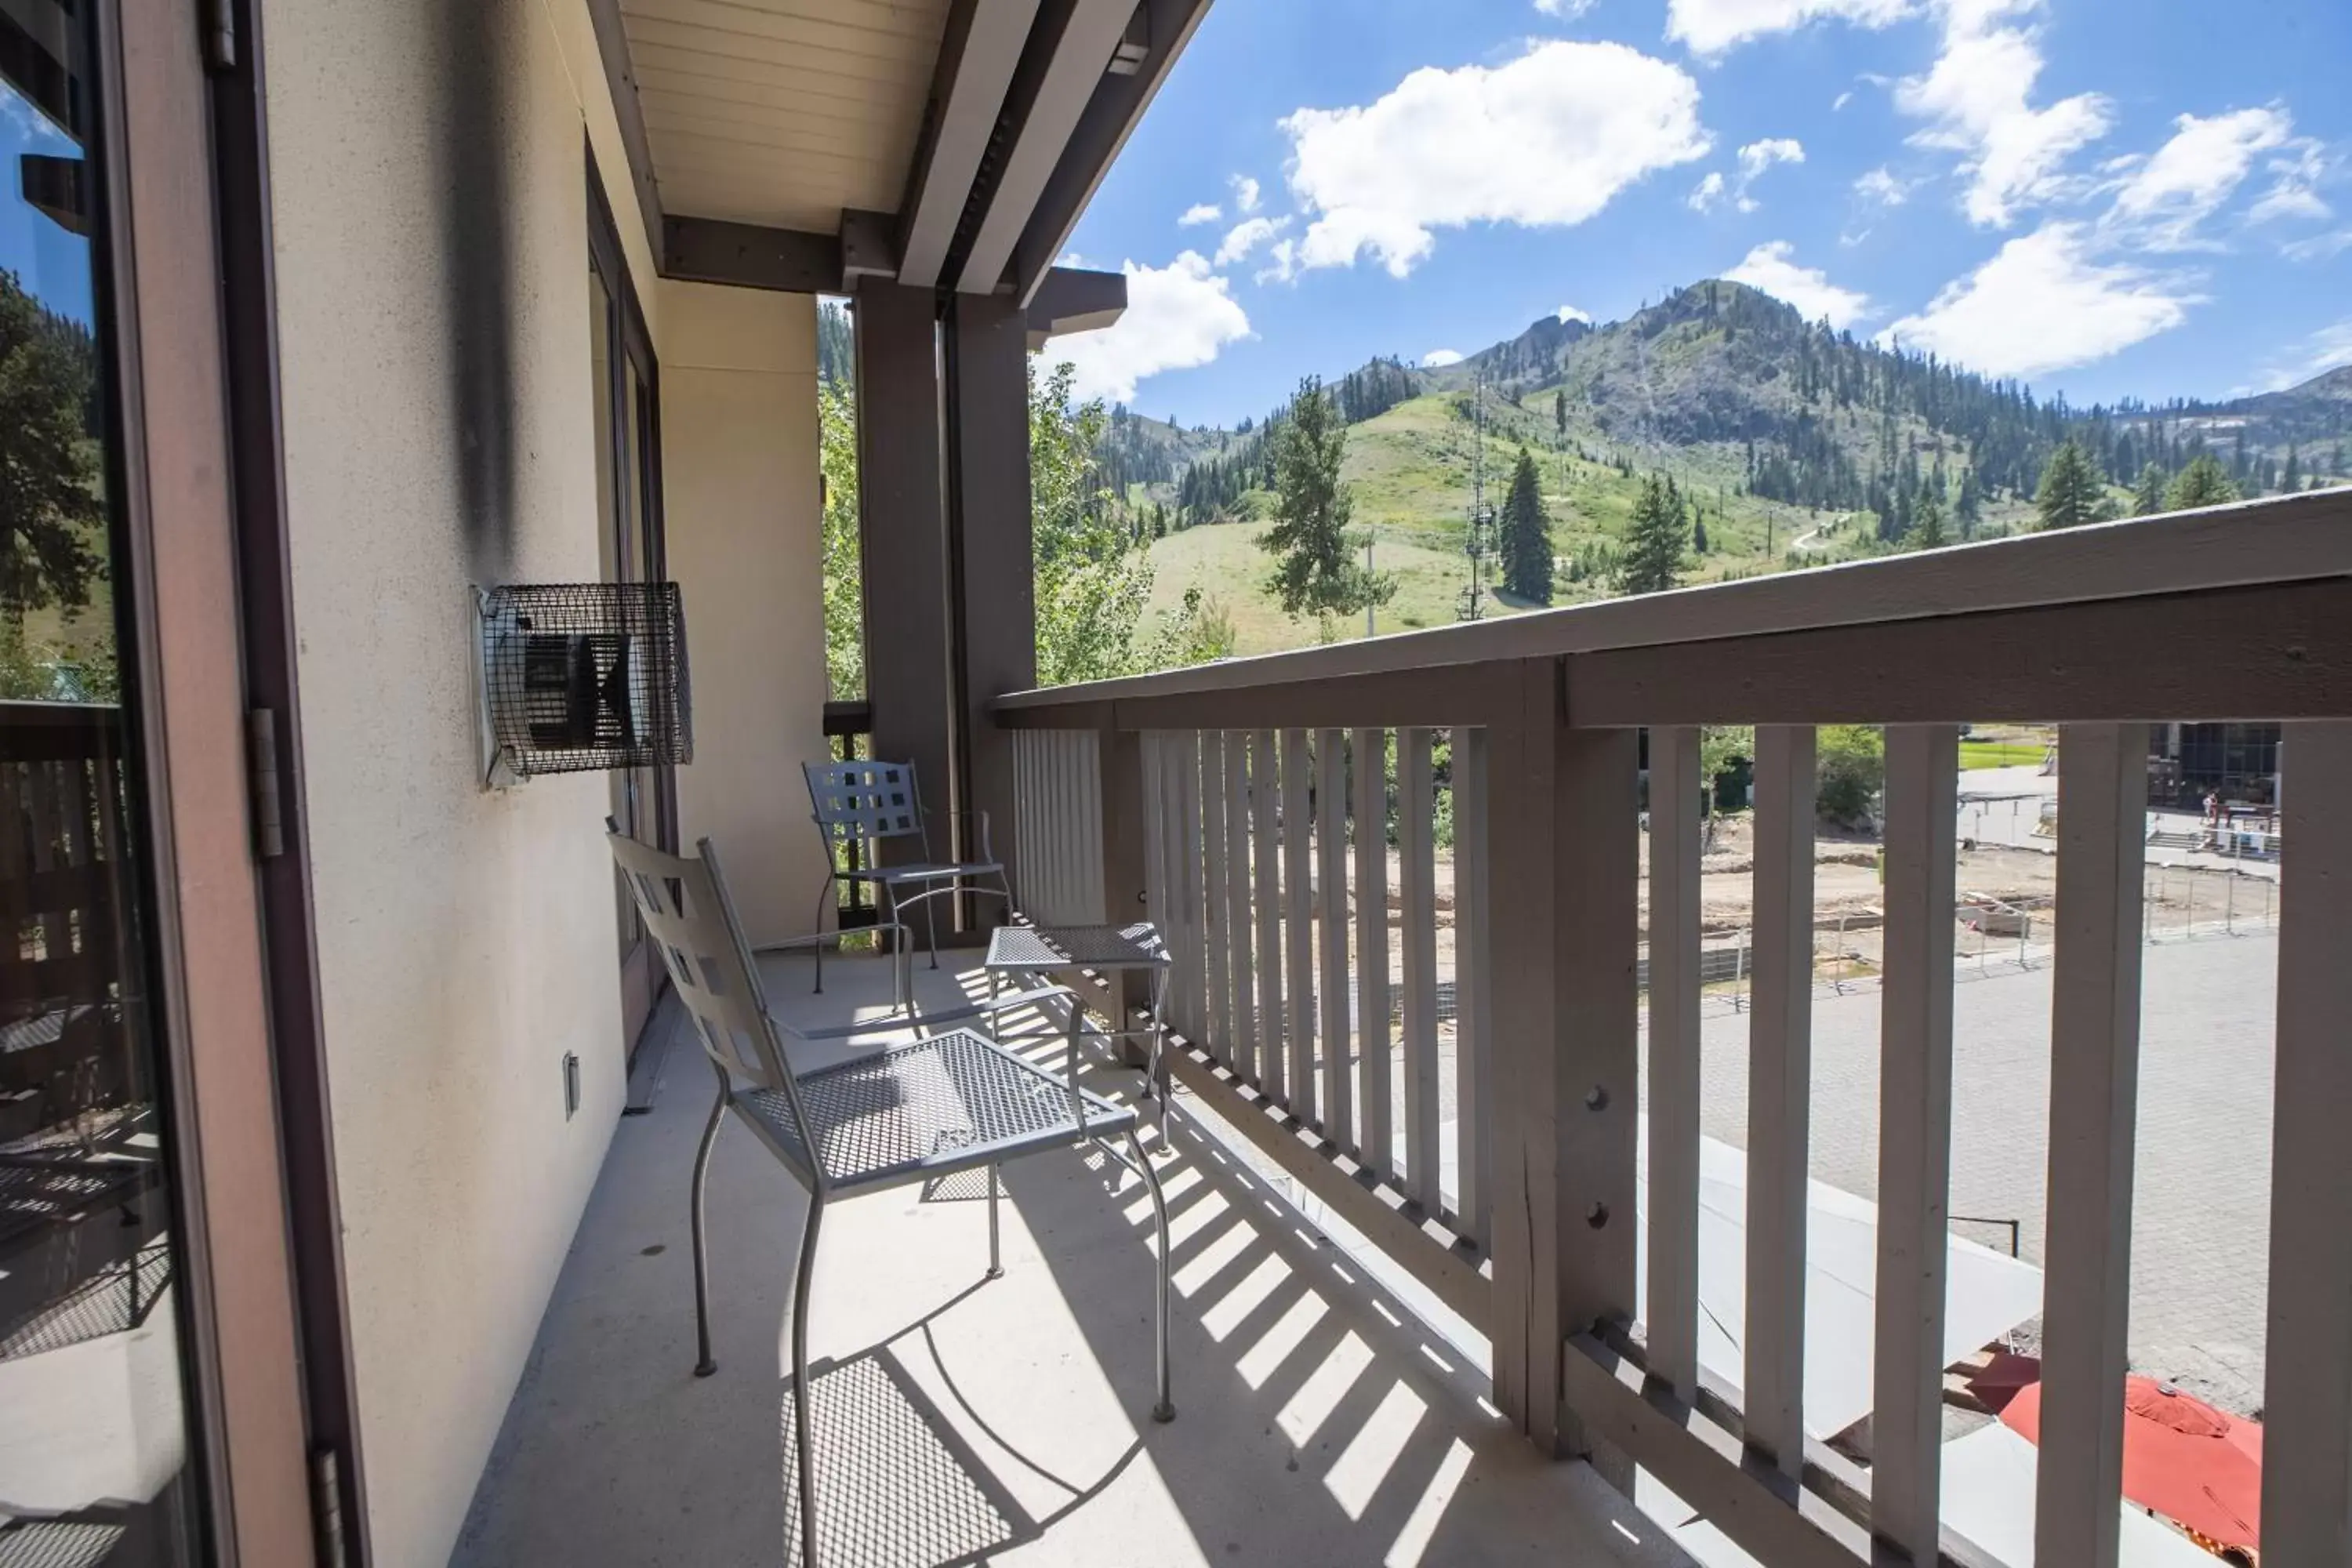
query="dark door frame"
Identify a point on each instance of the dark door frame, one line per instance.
(229, 31)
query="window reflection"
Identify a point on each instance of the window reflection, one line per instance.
(94, 1434)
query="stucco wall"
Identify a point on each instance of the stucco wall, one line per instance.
(431, 221)
(741, 504)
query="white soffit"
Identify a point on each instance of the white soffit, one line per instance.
(783, 112)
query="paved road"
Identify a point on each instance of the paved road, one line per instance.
(2202, 1220)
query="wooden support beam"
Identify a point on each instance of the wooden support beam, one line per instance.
(977, 55)
(1417, 933)
(1374, 1118)
(1331, 905)
(2094, 1109)
(751, 255)
(1474, 987)
(1297, 923)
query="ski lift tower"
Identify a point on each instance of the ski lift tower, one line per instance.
(1478, 539)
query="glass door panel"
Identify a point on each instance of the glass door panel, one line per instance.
(94, 1427)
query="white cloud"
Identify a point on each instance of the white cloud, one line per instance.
(1880, 185)
(1568, 313)
(30, 123)
(1566, 10)
(1247, 236)
(2294, 192)
(1841, 101)
(1711, 27)
(1754, 160)
(2321, 351)
(1246, 194)
(1545, 141)
(1772, 268)
(1438, 359)
(1977, 100)
(2319, 246)
(1177, 316)
(2042, 303)
(2189, 177)
(1200, 213)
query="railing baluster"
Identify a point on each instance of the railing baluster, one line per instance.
(1299, 932)
(1331, 905)
(1265, 802)
(1672, 1306)
(1417, 930)
(1192, 959)
(2307, 1515)
(1372, 804)
(1779, 1090)
(1915, 1136)
(1155, 833)
(1473, 1101)
(1217, 1017)
(1243, 1048)
(2093, 1104)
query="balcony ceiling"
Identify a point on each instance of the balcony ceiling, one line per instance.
(783, 112)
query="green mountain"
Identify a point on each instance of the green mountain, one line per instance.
(1789, 443)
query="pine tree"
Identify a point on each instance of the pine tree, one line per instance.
(2290, 477)
(1527, 535)
(2068, 495)
(1928, 524)
(51, 503)
(1654, 543)
(1698, 534)
(2147, 496)
(2204, 482)
(1317, 571)
(1970, 508)
(1560, 413)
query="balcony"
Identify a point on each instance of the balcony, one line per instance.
(962, 1420)
(1449, 1179)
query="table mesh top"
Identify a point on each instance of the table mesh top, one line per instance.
(1137, 946)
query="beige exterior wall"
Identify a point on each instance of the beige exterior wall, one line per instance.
(742, 500)
(431, 226)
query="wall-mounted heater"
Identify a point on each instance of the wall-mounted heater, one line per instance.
(583, 677)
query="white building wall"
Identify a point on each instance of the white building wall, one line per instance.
(429, 197)
(741, 502)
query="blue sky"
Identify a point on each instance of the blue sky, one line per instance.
(52, 265)
(2106, 197)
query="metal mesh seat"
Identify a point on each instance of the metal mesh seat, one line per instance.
(858, 805)
(948, 1102)
(930, 1109)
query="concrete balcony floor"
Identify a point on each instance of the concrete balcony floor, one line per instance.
(962, 1420)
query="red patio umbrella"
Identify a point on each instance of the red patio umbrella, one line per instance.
(2199, 1467)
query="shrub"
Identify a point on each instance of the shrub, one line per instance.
(1851, 770)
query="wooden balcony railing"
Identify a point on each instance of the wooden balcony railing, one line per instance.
(1246, 806)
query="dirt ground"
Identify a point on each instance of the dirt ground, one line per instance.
(1847, 892)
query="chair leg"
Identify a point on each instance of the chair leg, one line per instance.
(805, 1275)
(932, 925)
(824, 894)
(901, 979)
(1165, 1409)
(995, 1251)
(704, 1366)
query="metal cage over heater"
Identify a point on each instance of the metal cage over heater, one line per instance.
(584, 677)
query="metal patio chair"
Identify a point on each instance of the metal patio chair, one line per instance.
(864, 803)
(948, 1102)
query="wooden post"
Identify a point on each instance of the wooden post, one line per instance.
(1561, 907)
(903, 540)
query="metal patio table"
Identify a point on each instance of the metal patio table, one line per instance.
(1107, 950)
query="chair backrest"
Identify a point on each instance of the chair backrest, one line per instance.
(692, 921)
(866, 801)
